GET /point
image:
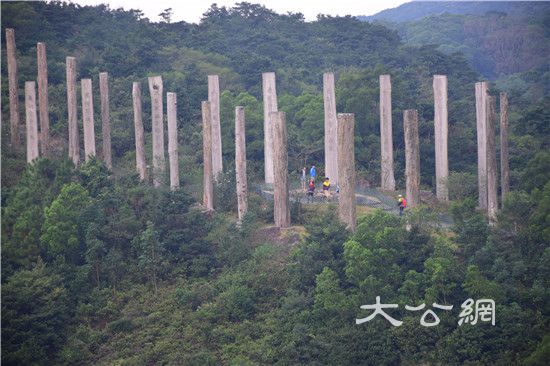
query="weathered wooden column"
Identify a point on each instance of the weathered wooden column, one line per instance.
(492, 185)
(171, 111)
(74, 144)
(331, 132)
(387, 179)
(504, 167)
(240, 163)
(441, 124)
(214, 99)
(346, 169)
(155, 89)
(105, 118)
(88, 118)
(43, 104)
(138, 127)
(32, 126)
(281, 208)
(270, 105)
(412, 157)
(481, 122)
(208, 183)
(13, 87)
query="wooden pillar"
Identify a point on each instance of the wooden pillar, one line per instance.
(32, 126)
(346, 169)
(105, 118)
(504, 167)
(88, 118)
(481, 122)
(74, 144)
(157, 116)
(441, 125)
(387, 179)
(270, 105)
(412, 157)
(43, 104)
(331, 132)
(240, 163)
(13, 87)
(281, 208)
(138, 127)
(171, 111)
(492, 180)
(208, 183)
(214, 99)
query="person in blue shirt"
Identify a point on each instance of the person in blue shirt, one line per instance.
(312, 172)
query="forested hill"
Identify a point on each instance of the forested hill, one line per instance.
(503, 41)
(99, 268)
(416, 10)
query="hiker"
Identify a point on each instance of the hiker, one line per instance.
(303, 179)
(310, 191)
(312, 172)
(402, 204)
(326, 188)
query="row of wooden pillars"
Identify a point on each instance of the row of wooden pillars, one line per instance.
(275, 139)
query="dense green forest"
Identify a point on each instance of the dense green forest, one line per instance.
(98, 268)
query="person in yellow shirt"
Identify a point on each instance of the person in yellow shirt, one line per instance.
(326, 188)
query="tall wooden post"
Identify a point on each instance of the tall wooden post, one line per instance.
(155, 89)
(346, 169)
(208, 183)
(105, 118)
(240, 162)
(88, 118)
(32, 126)
(138, 127)
(171, 111)
(492, 180)
(214, 99)
(74, 144)
(412, 157)
(331, 132)
(441, 124)
(504, 166)
(387, 179)
(43, 104)
(281, 209)
(270, 105)
(481, 121)
(13, 87)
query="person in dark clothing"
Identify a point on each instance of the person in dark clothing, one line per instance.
(310, 190)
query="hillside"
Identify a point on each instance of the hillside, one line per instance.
(416, 10)
(99, 268)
